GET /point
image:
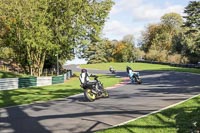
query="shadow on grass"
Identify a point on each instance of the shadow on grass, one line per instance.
(12, 119)
(22, 96)
(188, 119)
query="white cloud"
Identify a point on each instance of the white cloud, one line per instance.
(131, 16)
(117, 30)
(153, 13)
(121, 5)
(141, 10)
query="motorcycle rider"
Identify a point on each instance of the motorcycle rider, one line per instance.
(85, 80)
(128, 69)
(111, 69)
(130, 72)
(84, 77)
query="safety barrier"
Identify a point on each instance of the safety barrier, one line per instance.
(27, 82)
(15, 83)
(58, 79)
(8, 83)
(43, 81)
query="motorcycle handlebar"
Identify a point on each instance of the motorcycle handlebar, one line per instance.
(95, 76)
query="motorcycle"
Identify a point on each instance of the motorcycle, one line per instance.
(135, 77)
(94, 90)
(113, 71)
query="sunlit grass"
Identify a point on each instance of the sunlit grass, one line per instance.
(139, 66)
(183, 118)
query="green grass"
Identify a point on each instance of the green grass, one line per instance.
(183, 118)
(4, 74)
(139, 66)
(33, 94)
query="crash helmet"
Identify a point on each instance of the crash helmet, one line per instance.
(84, 70)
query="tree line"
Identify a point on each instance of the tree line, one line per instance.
(174, 39)
(34, 32)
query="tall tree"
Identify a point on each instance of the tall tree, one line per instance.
(192, 35)
(130, 53)
(39, 29)
(96, 53)
(77, 23)
(162, 37)
(174, 21)
(28, 35)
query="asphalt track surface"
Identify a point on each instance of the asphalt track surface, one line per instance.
(127, 101)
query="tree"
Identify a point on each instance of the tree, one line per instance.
(163, 37)
(27, 35)
(192, 35)
(39, 29)
(174, 21)
(80, 25)
(160, 35)
(97, 53)
(130, 51)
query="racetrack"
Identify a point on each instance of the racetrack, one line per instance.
(128, 101)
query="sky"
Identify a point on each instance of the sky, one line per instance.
(130, 17)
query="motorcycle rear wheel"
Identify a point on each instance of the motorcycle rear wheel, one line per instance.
(89, 95)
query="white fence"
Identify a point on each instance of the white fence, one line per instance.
(43, 81)
(8, 83)
(15, 83)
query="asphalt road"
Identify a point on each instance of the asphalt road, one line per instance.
(126, 102)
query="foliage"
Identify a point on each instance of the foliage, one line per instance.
(173, 38)
(27, 32)
(177, 58)
(164, 41)
(192, 34)
(38, 30)
(155, 55)
(4, 74)
(173, 21)
(111, 51)
(6, 53)
(96, 53)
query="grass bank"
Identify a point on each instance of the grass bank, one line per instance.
(183, 118)
(139, 66)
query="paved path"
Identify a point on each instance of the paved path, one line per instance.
(126, 102)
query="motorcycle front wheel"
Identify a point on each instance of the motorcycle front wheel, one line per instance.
(89, 95)
(138, 80)
(105, 93)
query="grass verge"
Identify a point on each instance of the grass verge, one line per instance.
(183, 118)
(45, 93)
(139, 66)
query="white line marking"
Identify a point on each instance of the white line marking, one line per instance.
(154, 112)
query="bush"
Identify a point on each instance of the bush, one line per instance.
(155, 55)
(177, 58)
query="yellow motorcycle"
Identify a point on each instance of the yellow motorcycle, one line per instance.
(94, 90)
